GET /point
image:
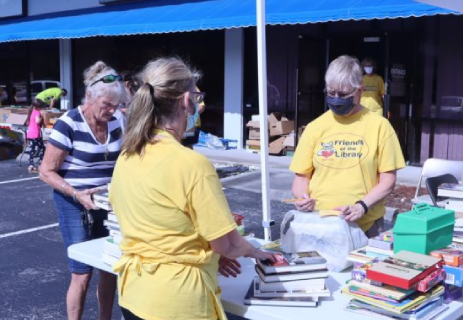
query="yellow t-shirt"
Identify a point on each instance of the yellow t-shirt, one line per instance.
(373, 90)
(169, 204)
(344, 156)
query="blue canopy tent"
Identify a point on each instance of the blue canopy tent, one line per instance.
(167, 16)
(164, 16)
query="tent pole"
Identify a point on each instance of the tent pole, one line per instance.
(262, 83)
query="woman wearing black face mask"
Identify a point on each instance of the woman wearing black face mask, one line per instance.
(347, 158)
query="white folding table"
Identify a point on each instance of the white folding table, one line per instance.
(234, 290)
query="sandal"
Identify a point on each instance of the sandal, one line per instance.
(32, 169)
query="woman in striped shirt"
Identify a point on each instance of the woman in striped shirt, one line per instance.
(81, 153)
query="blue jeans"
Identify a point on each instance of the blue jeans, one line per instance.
(75, 226)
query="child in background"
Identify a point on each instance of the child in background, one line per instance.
(34, 135)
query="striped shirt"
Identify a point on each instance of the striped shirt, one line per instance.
(89, 163)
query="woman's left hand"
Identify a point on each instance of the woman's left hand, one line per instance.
(229, 267)
(351, 213)
(84, 197)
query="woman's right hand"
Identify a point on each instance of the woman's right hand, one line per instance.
(264, 255)
(307, 204)
(84, 197)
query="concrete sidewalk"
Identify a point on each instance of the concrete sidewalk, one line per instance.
(280, 176)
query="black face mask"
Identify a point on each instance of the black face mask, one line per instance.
(340, 106)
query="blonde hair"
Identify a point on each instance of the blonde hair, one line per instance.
(344, 73)
(97, 71)
(165, 81)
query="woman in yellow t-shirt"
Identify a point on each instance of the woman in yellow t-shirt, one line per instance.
(373, 88)
(176, 225)
(347, 158)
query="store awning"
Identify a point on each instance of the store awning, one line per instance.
(165, 16)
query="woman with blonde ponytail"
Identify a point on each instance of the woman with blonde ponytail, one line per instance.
(176, 225)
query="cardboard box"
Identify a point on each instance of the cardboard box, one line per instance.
(17, 119)
(289, 141)
(276, 147)
(423, 229)
(279, 124)
(254, 143)
(5, 112)
(254, 133)
(48, 115)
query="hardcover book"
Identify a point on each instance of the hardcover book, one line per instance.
(309, 284)
(101, 198)
(297, 262)
(291, 276)
(251, 299)
(404, 269)
(452, 190)
(258, 292)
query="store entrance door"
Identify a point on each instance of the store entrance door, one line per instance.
(392, 55)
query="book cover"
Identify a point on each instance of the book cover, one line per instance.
(250, 299)
(308, 284)
(258, 292)
(431, 280)
(360, 274)
(363, 253)
(451, 256)
(291, 276)
(112, 216)
(404, 269)
(404, 305)
(297, 262)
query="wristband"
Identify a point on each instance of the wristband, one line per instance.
(364, 206)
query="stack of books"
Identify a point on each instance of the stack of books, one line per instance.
(297, 280)
(379, 247)
(454, 192)
(453, 267)
(458, 232)
(111, 250)
(407, 285)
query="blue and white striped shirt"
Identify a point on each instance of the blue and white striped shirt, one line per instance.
(89, 163)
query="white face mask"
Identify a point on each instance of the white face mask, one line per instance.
(368, 70)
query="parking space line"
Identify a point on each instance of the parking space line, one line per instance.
(28, 230)
(18, 180)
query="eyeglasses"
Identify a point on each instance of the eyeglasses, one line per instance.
(110, 78)
(198, 96)
(340, 94)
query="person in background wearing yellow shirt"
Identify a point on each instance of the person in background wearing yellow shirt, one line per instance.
(51, 96)
(347, 158)
(373, 87)
(177, 229)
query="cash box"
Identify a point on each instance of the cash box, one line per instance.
(423, 229)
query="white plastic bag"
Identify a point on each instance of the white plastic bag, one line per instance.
(332, 237)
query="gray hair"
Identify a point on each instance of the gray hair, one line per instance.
(97, 71)
(344, 73)
(155, 103)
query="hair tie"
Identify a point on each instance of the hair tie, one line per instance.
(151, 88)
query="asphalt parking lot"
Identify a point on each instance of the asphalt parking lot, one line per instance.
(33, 266)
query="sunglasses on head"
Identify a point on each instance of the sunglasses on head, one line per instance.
(110, 78)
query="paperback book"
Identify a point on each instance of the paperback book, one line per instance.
(251, 299)
(385, 292)
(258, 292)
(384, 240)
(309, 284)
